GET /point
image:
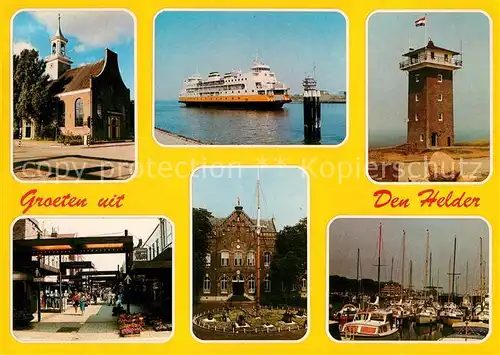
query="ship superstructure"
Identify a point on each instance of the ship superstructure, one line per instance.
(257, 89)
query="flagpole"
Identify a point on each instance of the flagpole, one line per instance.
(425, 31)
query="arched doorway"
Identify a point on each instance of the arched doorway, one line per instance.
(434, 139)
(238, 285)
(114, 128)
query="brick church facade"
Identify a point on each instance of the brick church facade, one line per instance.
(430, 96)
(88, 100)
(231, 264)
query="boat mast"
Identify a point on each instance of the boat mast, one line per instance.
(481, 268)
(426, 271)
(357, 276)
(410, 284)
(392, 267)
(257, 231)
(467, 277)
(449, 280)
(454, 274)
(403, 267)
(378, 264)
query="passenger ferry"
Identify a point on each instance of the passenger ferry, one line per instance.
(257, 89)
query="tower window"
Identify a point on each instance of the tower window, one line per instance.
(432, 55)
(440, 117)
(53, 48)
(421, 137)
(63, 49)
(440, 97)
(440, 78)
(416, 117)
(78, 112)
(446, 57)
(416, 97)
(417, 78)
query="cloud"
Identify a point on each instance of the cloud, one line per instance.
(20, 46)
(79, 48)
(91, 28)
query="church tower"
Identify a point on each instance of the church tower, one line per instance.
(57, 62)
(430, 95)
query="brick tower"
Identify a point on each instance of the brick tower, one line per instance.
(430, 95)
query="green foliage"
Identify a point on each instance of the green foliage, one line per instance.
(70, 139)
(202, 230)
(289, 263)
(31, 93)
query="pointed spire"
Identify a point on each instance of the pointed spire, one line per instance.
(59, 33)
(238, 206)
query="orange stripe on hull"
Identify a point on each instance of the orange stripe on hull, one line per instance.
(239, 98)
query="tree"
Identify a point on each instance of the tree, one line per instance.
(31, 92)
(289, 263)
(202, 230)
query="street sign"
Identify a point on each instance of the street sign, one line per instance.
(38, 279)
(141, 254)
(128, 279)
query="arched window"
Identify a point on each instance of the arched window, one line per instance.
(78, 112)
(267, 284)
(63, 49)
(54, 48)
(223, 285)
(238, 258)
(250, 258)
(251, 285)
(267, 259)
(206, 284)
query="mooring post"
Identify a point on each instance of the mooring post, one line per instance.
(312, 111)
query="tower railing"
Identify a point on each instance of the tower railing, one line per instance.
(427, 58)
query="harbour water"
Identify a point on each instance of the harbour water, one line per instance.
(218, 126)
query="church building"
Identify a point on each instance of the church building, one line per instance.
(91, 99)
(231, 264)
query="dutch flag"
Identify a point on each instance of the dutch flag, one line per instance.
(420, 22)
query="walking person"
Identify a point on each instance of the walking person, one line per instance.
(76, 302)
(83, 303)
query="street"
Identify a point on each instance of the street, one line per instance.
(97, 324)
(48, 160)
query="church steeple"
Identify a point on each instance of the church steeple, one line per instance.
(57, 62)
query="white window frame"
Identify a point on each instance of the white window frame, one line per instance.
(223, 282)
(208, 259)
(206, 285)
(440, 117)
(238, 256)
(416, 117)
(416, 97)
(267, 255)
(251, 285)
(440, 78)
(251, 258)
(440, 97)
(224, 261)
(267, 284)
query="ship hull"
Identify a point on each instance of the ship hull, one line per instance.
(238, 105)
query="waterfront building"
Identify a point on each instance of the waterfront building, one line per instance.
(430, 95)
(91, 99)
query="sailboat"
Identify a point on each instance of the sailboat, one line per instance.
(482, 309)
(374, 323)
(451, 312)
(427, 313)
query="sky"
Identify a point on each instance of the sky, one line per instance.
(283, 192)
(291, 43)
(139, 228)
(89, 33)
(348, 234)
(388, 38)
